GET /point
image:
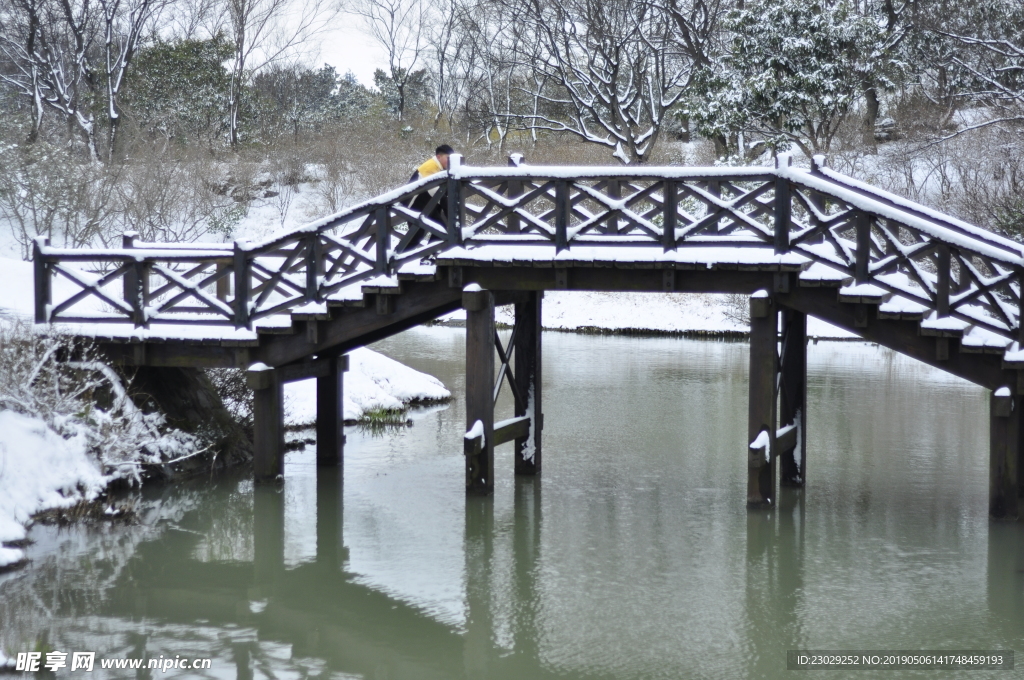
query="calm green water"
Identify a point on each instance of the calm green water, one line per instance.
(632, 556)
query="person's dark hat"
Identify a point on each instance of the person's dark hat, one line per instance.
(444, 149)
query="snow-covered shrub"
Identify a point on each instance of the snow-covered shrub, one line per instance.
(67, 386)
(171, 196)
(45, 190)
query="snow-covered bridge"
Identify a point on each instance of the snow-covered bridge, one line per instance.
(800, 242)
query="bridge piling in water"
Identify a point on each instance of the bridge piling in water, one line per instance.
(268, 423)
(528, 381)
(479, 441)
(793, 398)
(330, 413)
(1005, 435)
(761, 418)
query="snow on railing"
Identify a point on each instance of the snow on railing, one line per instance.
(953, 269)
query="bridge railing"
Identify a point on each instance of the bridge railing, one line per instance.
(953, 269)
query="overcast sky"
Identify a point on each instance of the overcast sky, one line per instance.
(347, 48)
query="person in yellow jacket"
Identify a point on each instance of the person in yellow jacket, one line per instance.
(432, 166)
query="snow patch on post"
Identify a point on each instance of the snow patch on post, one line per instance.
(530, 447)
(475, 432)
(763, 441)
(1003, 392)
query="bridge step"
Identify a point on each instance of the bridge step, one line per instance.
(900, 308)
(863, 293)
(821, 276)
(311, 311)
(382, 285)
(980, 341)
(943, 327)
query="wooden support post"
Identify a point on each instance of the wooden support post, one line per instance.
(1004, 448)
(863, 254)
(528, 380)
(793, 397)
(561, 215)
(942, 280)
(330, 414)
(383, 243)
(479, 442)
(268, 427)
(515, 190)
(783, 205)
(668, 234)
(129, 282)
(313, 264)
(41, 274)
(456, 218)
(761, 421)
(224, 282)
(242, 290)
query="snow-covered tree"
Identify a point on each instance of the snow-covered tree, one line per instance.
(400, 28)
(992, 54)
(793, 71)
(179, 89)
(263, 32)
(613, 69)
(72, 57)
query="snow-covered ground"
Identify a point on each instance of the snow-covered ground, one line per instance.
(40, 470)
(374, 382)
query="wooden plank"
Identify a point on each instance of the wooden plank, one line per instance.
(1004, 445)
(479, 386)
(761, 416)
(511, 429)
(652, 280)
(793, 398)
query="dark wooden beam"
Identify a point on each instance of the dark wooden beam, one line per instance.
(511, 429)
(612, 279)
(793, 397)
(761, 417)
(902, 336)
(528, 379)
(268, 424)
(176, 355)
(330, 412)
(1004, 444)
(355, 327)
(479, 449)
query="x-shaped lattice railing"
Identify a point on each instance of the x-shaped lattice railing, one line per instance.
(922, 259)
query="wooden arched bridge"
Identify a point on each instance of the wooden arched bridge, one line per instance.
(798, 241)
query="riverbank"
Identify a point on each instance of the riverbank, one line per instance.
(59, 448)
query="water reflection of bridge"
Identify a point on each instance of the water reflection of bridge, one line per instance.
(320, 611)
(800, 243)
